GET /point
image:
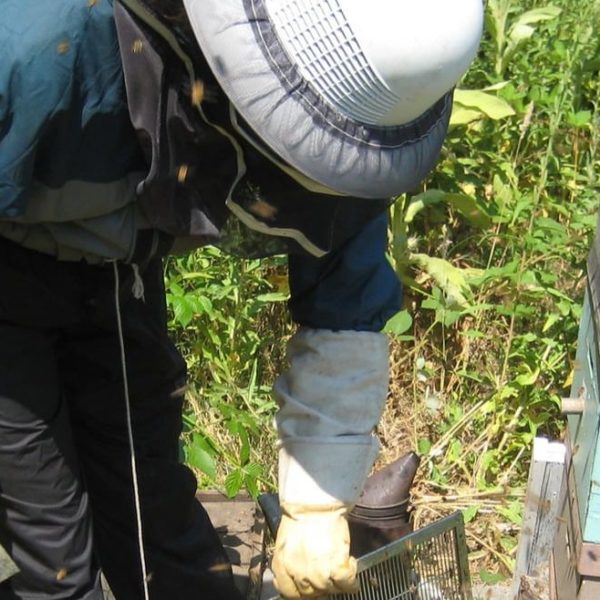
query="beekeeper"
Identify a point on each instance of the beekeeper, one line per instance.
(130, 129)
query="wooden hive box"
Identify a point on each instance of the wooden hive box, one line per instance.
(576, 554)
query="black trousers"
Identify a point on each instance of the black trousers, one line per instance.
(66, 493)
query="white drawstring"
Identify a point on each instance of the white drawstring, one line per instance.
(134, 474)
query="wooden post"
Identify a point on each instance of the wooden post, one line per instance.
(541, 511)
(572, 406)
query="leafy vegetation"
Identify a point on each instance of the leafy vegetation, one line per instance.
(229, 319)
(491, 251)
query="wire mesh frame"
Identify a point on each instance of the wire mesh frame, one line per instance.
(328, 54)
(428, 564)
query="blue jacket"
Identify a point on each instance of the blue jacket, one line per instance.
(102, 157)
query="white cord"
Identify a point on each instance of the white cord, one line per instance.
(134, 475)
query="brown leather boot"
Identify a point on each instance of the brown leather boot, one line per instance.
(382, 513)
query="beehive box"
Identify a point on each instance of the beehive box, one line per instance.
(576, 555)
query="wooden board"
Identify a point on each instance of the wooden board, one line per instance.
(240, 526)
(589, 590)
(543, 506)
(563, 565)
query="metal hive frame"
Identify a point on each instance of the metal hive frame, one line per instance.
(428, 564)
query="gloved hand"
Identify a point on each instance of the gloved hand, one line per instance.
(312, 552)
(330, 399)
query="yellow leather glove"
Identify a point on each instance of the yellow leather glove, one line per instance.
(312, 552)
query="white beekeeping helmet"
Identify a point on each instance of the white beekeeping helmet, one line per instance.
(354, 94)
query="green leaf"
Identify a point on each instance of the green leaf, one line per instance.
(508, 544)
(245, 446)
(272, 297)
(491, 578)
(183, 310)
(431, 303)
(399, 323)
(513, 512)
(519, 33)
(468, 206)
(580, 118)
(528, 378)
(464, 116)
(200, 458)
(253, 470)
(448, 317)
(470, 513)
(473, 333)
(491, 105)
(488, 407)
(251, 485)
(522, 30)
(536, 15)
(234, 482)
(453, 281)
(420, 201)
(203, 304)
(508, 391)
(175, 288)
(552, 319)
(424, 446)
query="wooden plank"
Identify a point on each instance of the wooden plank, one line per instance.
(576, 540)
(563, 571)
(590, 589)
(240, 527)
(588, 562)
(568, 542)
(542, 510)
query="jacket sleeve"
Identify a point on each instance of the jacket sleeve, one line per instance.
(352, 288)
